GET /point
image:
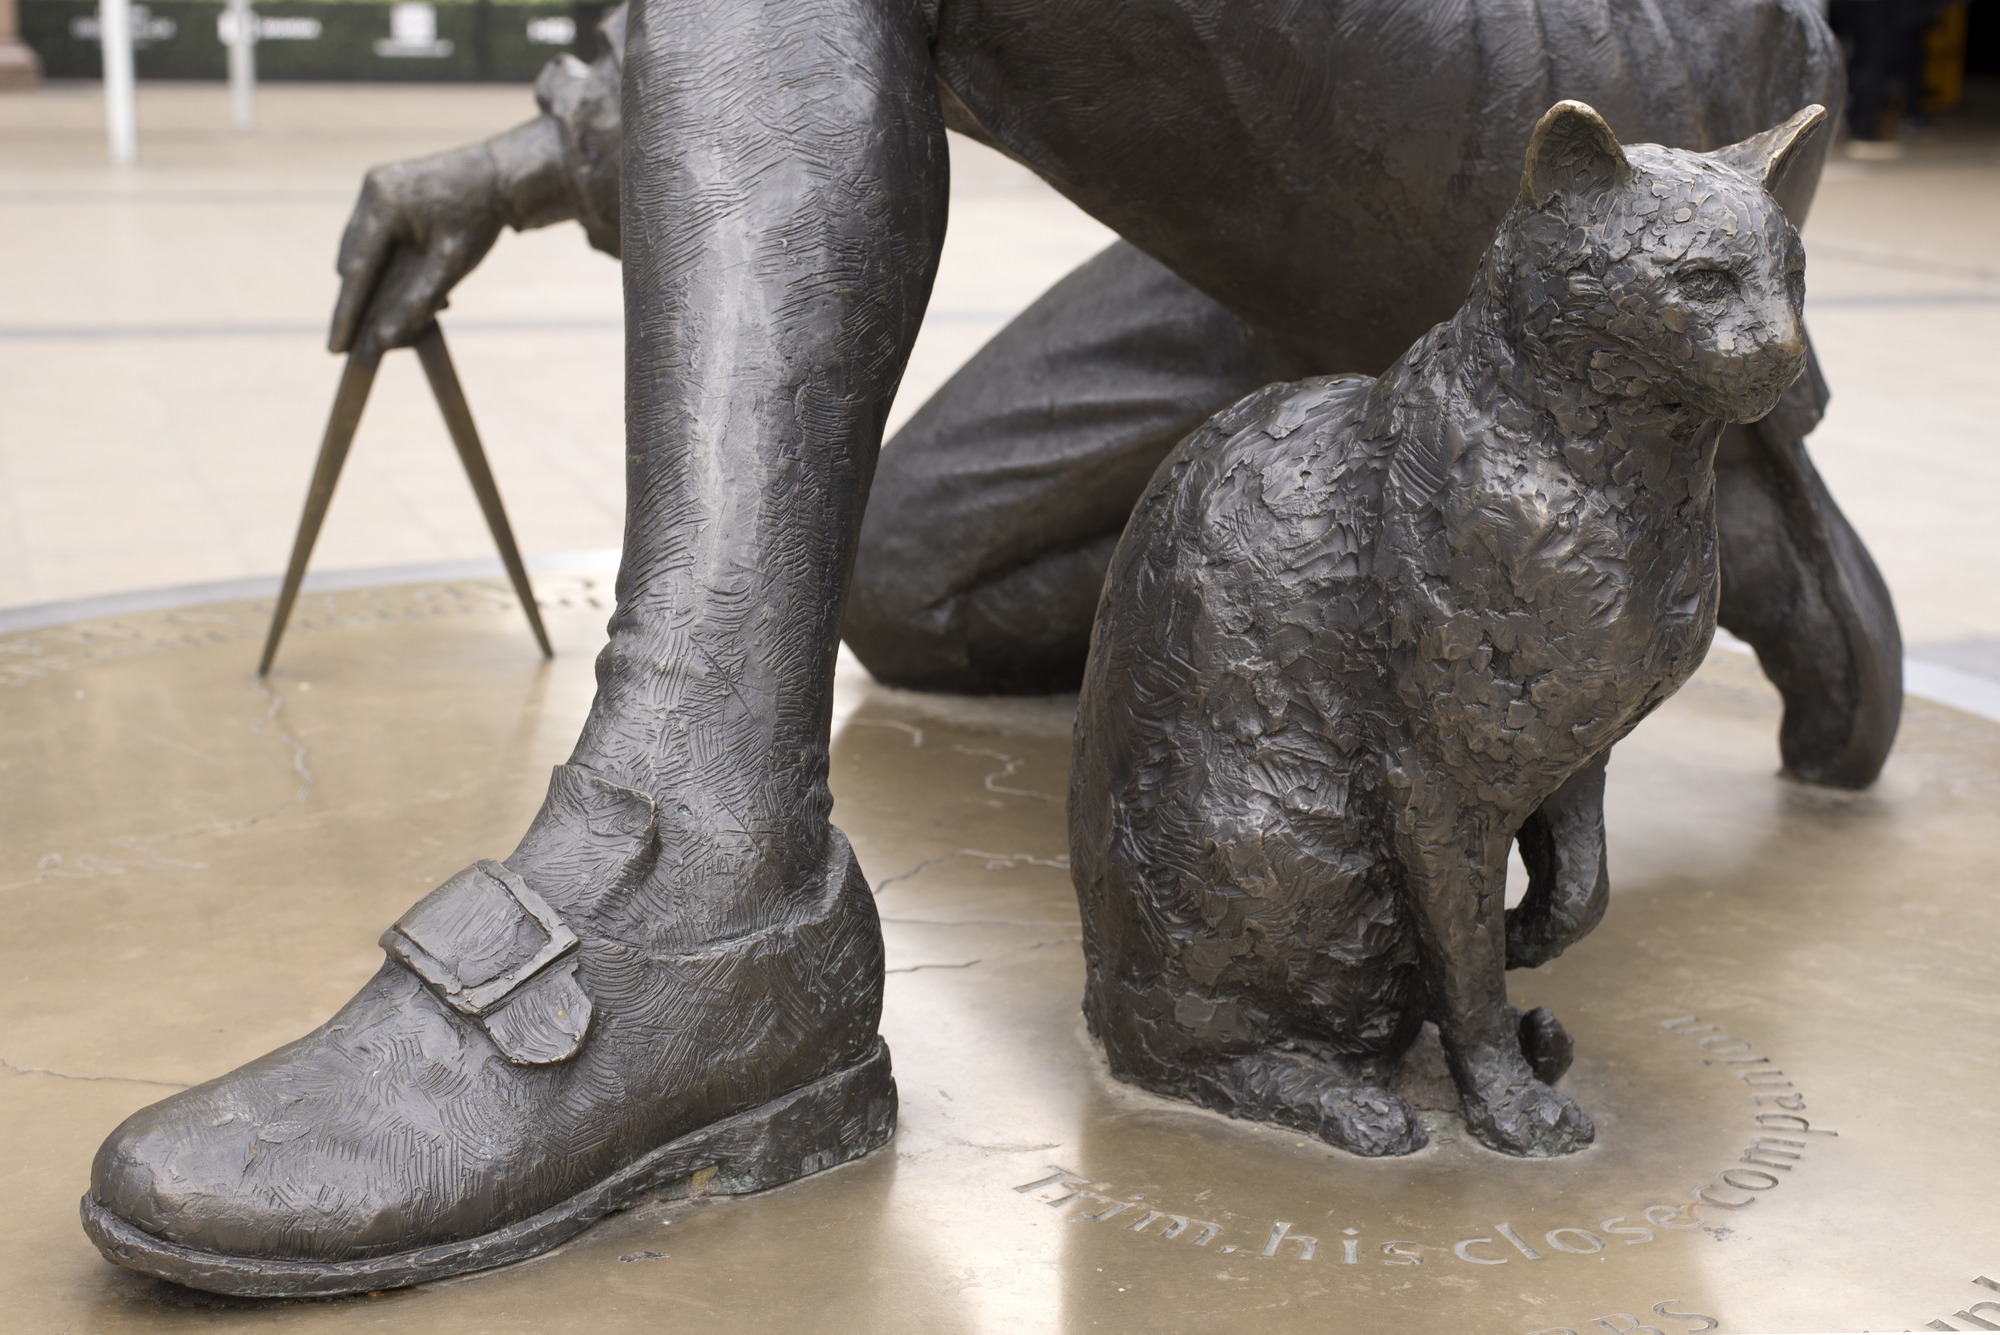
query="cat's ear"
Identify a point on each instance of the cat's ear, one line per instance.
(1768, 156)
(1572, 152)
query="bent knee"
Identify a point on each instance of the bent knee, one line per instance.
(1025, 632)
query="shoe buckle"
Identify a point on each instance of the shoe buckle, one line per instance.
(494, 951)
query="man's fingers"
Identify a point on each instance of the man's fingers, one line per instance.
(414, 288)
(409, 240)
(365, 248)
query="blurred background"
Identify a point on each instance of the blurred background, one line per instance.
(164, 380)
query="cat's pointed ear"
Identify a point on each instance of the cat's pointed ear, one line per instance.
(1768, 156)
(1572, 152)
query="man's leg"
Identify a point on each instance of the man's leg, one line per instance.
(674, 982)
(996, 508)
(785, 185)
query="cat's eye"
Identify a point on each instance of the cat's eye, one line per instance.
(1707, 284)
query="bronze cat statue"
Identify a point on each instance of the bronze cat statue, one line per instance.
(1361, 633)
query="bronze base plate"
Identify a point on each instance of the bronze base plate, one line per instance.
(1788, 1026)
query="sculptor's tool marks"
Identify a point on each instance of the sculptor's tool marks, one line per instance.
(348, 401)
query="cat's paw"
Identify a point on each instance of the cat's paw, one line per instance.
(1546, 1044)
(1368, 1121)
(1529, 1119)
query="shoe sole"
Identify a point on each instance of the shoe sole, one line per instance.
(836, 1118)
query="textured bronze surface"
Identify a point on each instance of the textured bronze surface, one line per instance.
(782, 197)
(195, 867)
(1276, 225)
(1361, 632)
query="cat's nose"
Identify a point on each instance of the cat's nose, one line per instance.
(1787, 338)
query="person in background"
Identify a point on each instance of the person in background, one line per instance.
(1884, 44)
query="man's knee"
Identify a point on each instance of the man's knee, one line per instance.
(1025, 632)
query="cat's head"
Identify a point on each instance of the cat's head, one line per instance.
(1659, 272)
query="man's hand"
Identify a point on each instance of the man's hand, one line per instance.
(418, 228)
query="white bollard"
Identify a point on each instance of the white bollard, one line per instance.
(242, 65)
(121, 113)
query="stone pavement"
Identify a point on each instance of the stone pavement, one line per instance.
(163, 379)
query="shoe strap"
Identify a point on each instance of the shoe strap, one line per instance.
(494, 951)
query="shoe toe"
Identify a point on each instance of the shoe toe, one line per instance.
(178, 1169)
(281, 1158)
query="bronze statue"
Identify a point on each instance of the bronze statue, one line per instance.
(1359, 632)
(1305, 188)
(994, 511)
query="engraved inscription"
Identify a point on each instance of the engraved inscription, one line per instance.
(1282, 1233)
(1982, 1315)
(1177, 1224)
(1063, 1187)
(1781, 1137)
(1086, 1201)
(1624, 1323)
(1780, 1141)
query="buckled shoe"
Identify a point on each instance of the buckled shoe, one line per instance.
(537, 1051)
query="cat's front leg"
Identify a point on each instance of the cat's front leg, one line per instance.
(1455, 875)
(1569, 887)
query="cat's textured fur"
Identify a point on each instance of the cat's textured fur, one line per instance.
(1360, 634)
